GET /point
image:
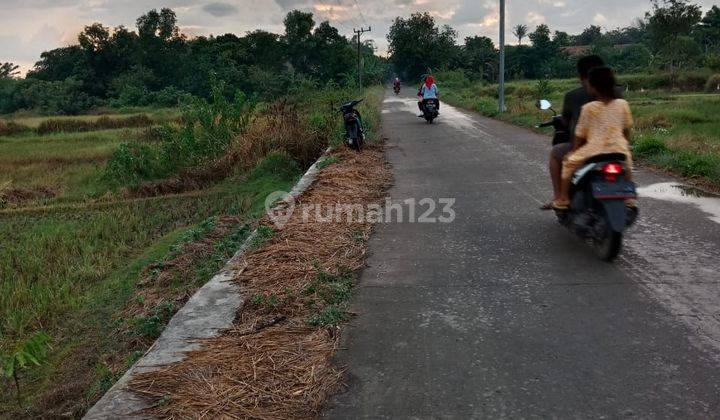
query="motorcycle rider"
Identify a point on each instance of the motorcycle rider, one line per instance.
(428, 91)
(396, 83)
(603, 127)
(572, 104)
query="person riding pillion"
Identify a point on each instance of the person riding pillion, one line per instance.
(603, 127)
(427, 91)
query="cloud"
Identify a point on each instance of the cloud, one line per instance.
(220, 9)
(29, 27)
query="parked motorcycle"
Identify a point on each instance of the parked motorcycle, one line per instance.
(597, 197)
(430, 110)
(354, 135)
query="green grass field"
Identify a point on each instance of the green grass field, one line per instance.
(677, 131)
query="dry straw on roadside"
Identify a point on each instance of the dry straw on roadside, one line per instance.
(273, 363)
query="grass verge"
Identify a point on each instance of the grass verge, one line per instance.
(674, 131)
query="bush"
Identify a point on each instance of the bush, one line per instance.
(170, 97)
(60, 97)
(713, 83)
(487, 106)
(648, 146)
(208, 128)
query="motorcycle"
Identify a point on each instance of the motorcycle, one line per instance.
(430, 111)
(354, 135)
(396, 89)
(598, 192)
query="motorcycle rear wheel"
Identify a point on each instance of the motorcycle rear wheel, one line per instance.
(608, 247)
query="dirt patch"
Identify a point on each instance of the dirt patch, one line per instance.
(276, 360)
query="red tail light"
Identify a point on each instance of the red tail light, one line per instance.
(611, 171)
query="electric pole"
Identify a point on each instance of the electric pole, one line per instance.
(359, 69)
(501, 78)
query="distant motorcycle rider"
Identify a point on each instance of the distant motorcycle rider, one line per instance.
(396, 83)
(428, 91)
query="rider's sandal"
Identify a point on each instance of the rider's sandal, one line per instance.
(560, 206)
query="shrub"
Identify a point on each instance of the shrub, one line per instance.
(207, 130)
(649, 146)
(487, 106)
(170, 96)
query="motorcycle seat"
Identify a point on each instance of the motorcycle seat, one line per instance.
(607, 157)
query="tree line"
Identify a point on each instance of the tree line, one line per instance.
(674, 35)
(156, 64)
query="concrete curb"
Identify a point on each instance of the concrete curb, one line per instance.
(210, 310)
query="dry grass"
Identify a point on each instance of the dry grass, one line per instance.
(8, 128)
(273, 363)
(57, 125)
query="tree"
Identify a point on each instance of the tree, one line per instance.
(416, 44)
(59, 64)
(589, 35)
(669, 27)
(8, 70)
(298, 39)
(707, 33)
(161, 47)
(561, 39)
(480, 56)
(520, 31)
(332, 56)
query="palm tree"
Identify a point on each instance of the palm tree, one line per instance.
(520, 31)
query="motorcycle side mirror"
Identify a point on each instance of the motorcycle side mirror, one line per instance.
(543, 104)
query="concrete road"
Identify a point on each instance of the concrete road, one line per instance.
(504, 314)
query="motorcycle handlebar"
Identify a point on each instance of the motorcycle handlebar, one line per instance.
(545, 124)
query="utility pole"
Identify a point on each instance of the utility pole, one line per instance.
(501, 78)
(357, 35)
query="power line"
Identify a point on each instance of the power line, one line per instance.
(329, 19)
(360, 11)
(354, 22)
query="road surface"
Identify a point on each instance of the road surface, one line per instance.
(504, 314)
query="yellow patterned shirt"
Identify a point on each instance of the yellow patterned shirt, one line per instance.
(601, 125)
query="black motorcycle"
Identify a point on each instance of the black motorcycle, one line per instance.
(430, 110)
(354, 135)
(598, 192)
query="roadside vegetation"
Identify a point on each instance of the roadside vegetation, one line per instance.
(674, 130)
(100, 250)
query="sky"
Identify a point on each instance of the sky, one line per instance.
(29, 27)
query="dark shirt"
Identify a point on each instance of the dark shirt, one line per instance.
(572, 105)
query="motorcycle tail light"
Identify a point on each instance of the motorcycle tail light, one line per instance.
(611, 171)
